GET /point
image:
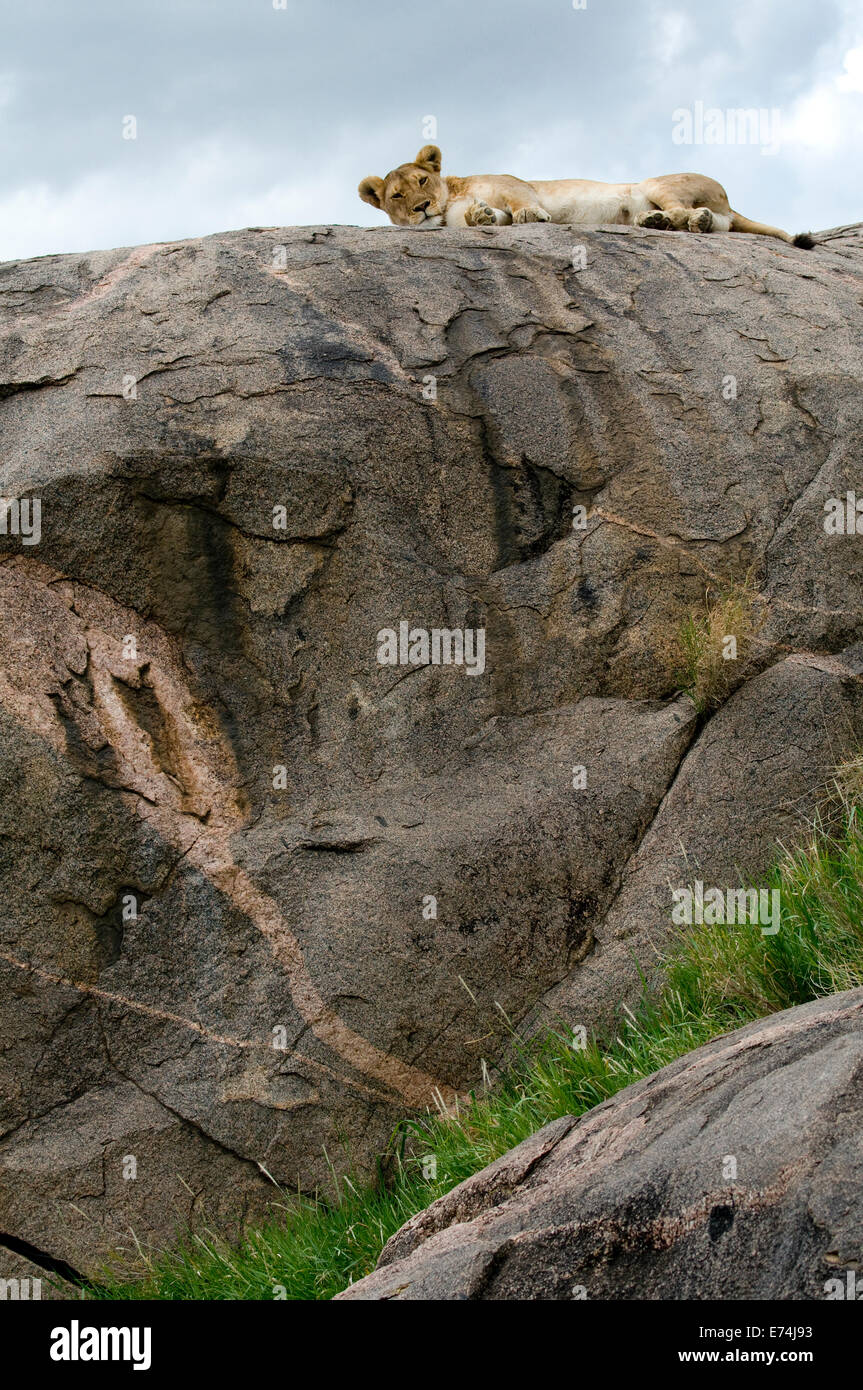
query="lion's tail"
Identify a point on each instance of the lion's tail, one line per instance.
(739, 223)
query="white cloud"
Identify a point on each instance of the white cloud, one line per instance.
(851, 80)
(674, 35)
(829, 116)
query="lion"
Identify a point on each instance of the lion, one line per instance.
(416, 195)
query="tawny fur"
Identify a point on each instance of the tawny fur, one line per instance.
(417, 195)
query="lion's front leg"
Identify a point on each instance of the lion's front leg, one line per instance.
(482, 214)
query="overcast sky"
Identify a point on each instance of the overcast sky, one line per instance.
(249, 113)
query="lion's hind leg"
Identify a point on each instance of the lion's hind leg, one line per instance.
(688, 203)
(657, 220)
(673, 219)
(705, 220)
(681, 219)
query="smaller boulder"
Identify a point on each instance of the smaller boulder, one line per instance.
(736, 1172)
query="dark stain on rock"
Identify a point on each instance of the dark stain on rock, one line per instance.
(585, 596)
(721, 1220)
(581, 911)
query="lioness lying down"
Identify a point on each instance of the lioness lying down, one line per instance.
(415, 195)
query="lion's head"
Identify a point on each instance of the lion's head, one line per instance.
(413, 195)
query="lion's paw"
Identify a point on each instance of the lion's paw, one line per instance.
(479, 214)
(701, 220)
(657, 220)
(531, 214)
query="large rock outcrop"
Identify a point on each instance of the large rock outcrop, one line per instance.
(735, 1172)
(263, 894)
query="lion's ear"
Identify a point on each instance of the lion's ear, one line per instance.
(371, 190)
(430, 157)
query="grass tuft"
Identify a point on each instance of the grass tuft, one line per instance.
(716, 644)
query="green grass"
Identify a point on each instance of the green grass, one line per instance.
(717, 979)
